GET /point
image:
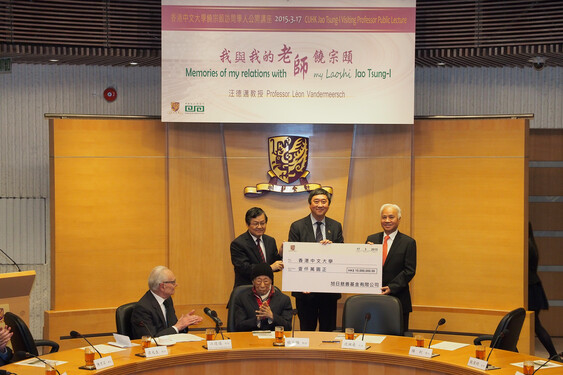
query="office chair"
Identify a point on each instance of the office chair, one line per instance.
(386, 314)
(22, 340)
(123, 318)
(512, 322)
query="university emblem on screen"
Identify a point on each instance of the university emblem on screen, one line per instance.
(288, 156)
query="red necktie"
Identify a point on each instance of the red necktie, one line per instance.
(385, 249)
(260, 250)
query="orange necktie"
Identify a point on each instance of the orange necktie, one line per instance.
(385, 249)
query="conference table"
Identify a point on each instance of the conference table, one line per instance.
(253, 355)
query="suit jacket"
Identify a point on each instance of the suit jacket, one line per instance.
(399, 267)
(245, 312)
(302, 231)
(244, 254)
(150, 314)
(6, 357)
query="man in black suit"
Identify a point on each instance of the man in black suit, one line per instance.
(262, 307)
(155, 312)
(5, 352)
(316, 227)
(254, 247)
(399, 258)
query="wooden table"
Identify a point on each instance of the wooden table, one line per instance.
(251, 355)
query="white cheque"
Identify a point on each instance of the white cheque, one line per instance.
(332, 268)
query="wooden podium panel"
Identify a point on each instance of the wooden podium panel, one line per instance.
(15, 288)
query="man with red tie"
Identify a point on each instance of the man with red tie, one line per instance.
(399, 258)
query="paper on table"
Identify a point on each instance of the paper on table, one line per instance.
(372, 339)
(104, 349)
(448, 345)
(37, 363)
(265, 335)
(181, 337)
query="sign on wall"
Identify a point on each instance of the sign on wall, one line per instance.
(288, 61)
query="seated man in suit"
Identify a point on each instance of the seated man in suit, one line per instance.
(399, 258)
(254, 247)
(262, 307)
(5, 352)
(317, 227)
(155, 313)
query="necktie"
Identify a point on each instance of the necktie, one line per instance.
(319, 232)
(260, 250)
(385, 249)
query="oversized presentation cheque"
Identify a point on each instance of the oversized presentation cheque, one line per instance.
(332, 268)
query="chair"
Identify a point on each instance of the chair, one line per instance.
(386, 314)
(22, 340)
(512, 322)
(123, 318)
(231, 313)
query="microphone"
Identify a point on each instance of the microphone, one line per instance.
(500, 336)
(213, 315)
(23, 354)
(140, 323)
(442, 321)
(549, 359)
(293, 312)
(13, 261)
(75, 335)
(366, 320)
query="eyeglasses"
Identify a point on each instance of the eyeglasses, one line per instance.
(173, 282)
(257, 224)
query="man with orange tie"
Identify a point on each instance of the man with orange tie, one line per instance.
(399, 258)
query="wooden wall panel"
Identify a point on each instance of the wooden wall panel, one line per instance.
(101, 199)
(546, 215)
(546, 181)
(545, 144)
(551, 250)
(551, 320)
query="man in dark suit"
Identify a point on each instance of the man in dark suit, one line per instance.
(316, 227)
(254, 247)
(155, 312)
(399, 258)
(262, 307)
(5, 352)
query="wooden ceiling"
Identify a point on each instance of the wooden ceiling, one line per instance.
(121, 32)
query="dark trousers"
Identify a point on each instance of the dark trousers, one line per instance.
(316, 306)
(406, 321)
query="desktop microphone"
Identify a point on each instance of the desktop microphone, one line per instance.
(140, 323)
(293, 312)
(23, 354)
(545, 363)
(76, 335)
(13, 261)
(213, 315)
(500, 336)
(440, 322)
(366, 320)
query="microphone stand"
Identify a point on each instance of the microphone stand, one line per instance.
(293, 312)
(500, 336)
(75, 334)
(30, 355)
(546, 362)
(366, 320)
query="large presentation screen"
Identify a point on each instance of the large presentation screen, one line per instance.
(288, 61)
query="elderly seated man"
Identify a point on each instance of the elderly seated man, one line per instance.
(262, 307)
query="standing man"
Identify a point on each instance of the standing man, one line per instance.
(254, 247)
(155, 312)
(399, 258)
(316, 227)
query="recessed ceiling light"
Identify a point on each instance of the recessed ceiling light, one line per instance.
(441, 64)
(133, 63)
(53, 60)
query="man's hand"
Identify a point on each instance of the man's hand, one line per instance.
(370, 243)
(326, 242)
(188, 320)
(265, 312)
(385, 290)
(277, 265)
(5, 337)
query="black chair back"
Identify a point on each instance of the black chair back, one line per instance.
(22, 341)
(231, 313)
(386, 314)
(513, 322)
(123, 318)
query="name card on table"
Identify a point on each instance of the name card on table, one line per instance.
(219, 345)
(420, 352)
(297, 342)
(156, 351)
(354, 344)
(103, 362)
(477, 363)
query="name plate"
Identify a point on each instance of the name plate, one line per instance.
(219, 344)
(477, 363)
(156, 351)
(354, 344)
(420, 352)
(299, 342)
(103, 362)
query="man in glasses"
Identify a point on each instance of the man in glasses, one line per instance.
(155, 312)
